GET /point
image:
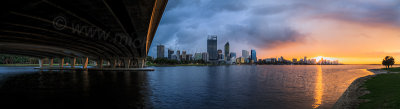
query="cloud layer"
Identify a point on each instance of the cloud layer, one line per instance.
(261, 24)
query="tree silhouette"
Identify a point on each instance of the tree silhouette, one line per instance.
(388, 61)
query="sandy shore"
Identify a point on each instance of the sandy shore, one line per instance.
(350, 98)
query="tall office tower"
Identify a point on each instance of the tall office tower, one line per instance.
(313, 61)
(212, 47)
(178, 55)
(173, 57)
(227, 57)
(160, 51)
(183, 55)
(294, 60)
(232, 55)
(220, 55)
(170, 52)
(189, 57)
(204, 55)
(305, 60)
(245, 53)
(253, 55)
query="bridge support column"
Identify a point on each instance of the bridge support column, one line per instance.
(100, 63)
(138, 62)
(85, 64)
(61, 62)
(141, 63)
(127, 62)
(119, 62)
(51, 62)
(73, 62)
(40, 62)
(113, 63)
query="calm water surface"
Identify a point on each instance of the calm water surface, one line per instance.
(203, 87)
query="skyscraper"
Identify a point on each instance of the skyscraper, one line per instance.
(170, 52)
(160, 51)
(212, 47)
(227, 57)
(205, 56)
(178, 55)
(305, 60)
(232, 57)
(294, 60)
(245, 53)
(183, 55)
(173, 57)
(253, 55)
(220, 55)
(189, 57)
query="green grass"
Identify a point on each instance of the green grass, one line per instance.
(392, 69)
(395, 69)
(385, 92)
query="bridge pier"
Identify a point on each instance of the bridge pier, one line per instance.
(41, 62)
(100, 63)
(85, 64)
(127, 62)
(113, 63)
(73, 62)
(61, 62)
(141, 63)
(119, 62)
(51, 62)
(138, 63)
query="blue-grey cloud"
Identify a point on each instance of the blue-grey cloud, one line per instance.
(261, 24)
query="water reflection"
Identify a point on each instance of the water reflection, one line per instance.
(319, 90)
(75, 89)
(206, 87)
(254, 87)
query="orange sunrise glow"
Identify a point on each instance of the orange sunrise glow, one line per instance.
(348, 42)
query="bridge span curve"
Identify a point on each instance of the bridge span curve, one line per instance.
(118, 32)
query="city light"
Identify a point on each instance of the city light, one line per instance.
(319, 58)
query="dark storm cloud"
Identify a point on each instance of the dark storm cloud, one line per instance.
(264, 36)
(367, 13)
(261, 24)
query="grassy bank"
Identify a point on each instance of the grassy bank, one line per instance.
(395, 69)
(385, 91)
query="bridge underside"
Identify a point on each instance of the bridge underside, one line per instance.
(109, 30)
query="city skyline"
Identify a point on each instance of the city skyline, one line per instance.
(173, 54)
(227, 57)
(354, 32)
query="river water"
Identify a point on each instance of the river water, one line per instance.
(182, 87)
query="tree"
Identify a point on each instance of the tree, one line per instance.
(388, 61)
(149, 59)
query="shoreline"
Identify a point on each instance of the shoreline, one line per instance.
(350, 99)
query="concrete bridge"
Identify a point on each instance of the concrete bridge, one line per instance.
(117, 32)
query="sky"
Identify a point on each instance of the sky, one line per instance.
(352, 31)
